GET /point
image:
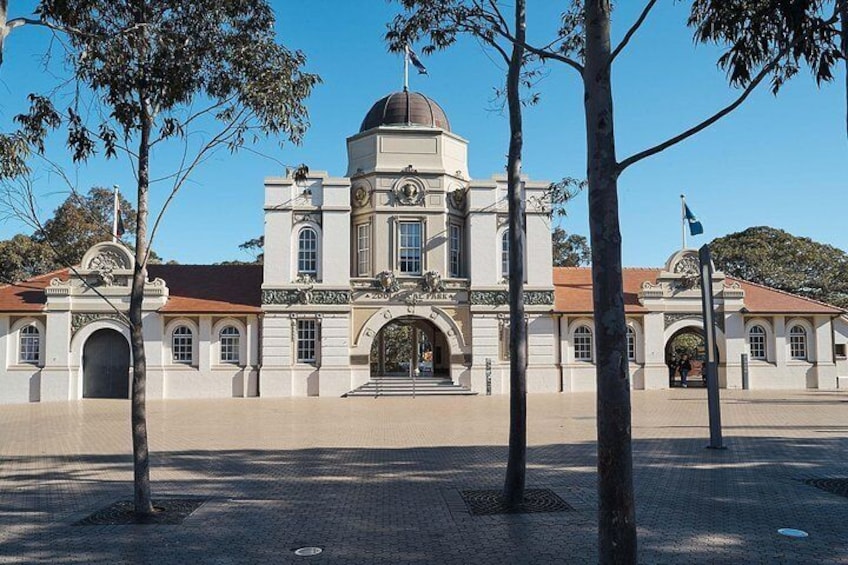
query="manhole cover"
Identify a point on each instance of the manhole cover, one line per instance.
(837, 486)
(168, 512)
(792, 533)
(307, 551)
(489, 502)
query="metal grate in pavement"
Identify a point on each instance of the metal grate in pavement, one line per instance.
(837, 486)
(168, 512)
(489, 502)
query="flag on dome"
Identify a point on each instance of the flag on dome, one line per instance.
(413, 58)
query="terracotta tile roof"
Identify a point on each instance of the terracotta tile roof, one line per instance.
(573, 294)
(211, 288)
(193, 289)
(28, 295)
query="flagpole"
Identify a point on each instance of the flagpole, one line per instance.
(405, 67)
(115, 217)
(683, 220)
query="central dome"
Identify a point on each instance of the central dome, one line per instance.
(405, 108)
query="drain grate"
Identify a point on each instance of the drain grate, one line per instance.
(489, 502)
(168, 512)
(837, 486)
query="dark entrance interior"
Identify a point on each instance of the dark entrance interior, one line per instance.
(407, 344)
(106, 365)
(690, 342)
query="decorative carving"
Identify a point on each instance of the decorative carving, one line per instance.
(307, 217)
(409, 169)
(409, 191)
(304, 278)
(457, 198)
(501, 297)
(432, 282)
(688, 265)
(306, 295)
(360, 196)
(109, 260)
(413, 299)
(80, 320)
(687, 282)
(387, 282)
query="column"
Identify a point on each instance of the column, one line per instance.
(825, 365)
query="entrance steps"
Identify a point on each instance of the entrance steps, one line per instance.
(404, 386)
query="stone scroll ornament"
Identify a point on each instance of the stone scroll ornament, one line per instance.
(432, 282)
(387, 282)
(409, 192)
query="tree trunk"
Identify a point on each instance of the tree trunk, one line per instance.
(616, 509)
(517, 458)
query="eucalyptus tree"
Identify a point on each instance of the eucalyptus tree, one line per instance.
(760, 40)
(201, 75)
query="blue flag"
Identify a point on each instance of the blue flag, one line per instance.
(695, 226)
(413, 58)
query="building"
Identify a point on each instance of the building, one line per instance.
(406, 239)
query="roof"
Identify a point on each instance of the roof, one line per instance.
(211, 289)
(573, 294)
(405, 108)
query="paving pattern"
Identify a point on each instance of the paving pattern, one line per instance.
(378, 481)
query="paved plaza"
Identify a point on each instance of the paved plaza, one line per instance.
(378, 480)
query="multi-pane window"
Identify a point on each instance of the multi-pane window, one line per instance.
(230, 340)
(455, 250)
(30, 345)
(757, 342)
(307, 340)
(583, 344)
(798, 342)
(307, 252)
(182, 345)
(631, 344)
(409, 248)
(363, 249)
(505, 254)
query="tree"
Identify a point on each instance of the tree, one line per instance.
(778, 259)
(761, 40)
(570, 250)
(61, 241)
(159, 70)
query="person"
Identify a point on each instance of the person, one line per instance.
(684, 368)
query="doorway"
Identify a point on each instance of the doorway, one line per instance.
(106, 365)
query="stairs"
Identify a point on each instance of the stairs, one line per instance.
(403, 386)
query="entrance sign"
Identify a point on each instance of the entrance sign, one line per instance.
(712, 347)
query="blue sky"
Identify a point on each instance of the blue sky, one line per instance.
(779, 161)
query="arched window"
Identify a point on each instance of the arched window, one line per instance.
(798, 342)
(631, 344)
(757, 342)
(505, 254)
(30, 351)
(182, 345)
(583, 344)
(307, 252)
(230, 340)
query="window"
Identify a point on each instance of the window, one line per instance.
(631, 344)
(798, 342)
(505, 254)
(455, 250)
(583, 344)
(757, 342)
(363, 249)
(230, 340)
(839, 350)
(182, 345)
(307, 339)
(307, 252)
(409, 249)
(30, 345)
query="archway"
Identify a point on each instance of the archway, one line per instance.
(408, 344)
(686, 342)
(106, 365)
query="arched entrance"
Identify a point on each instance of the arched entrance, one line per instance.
(408, 344)
(686, 343)
(106, 365)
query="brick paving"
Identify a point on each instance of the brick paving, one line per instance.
(378, 480)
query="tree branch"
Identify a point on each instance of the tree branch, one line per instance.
(632, 31)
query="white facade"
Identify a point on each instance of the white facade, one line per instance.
(405, 236)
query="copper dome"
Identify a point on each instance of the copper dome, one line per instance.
(405, 109)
